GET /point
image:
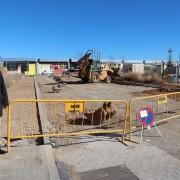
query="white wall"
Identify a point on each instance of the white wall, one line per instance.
(138, 68)
(44, 68)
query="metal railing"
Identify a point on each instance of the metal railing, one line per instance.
(165, 107)
(29, 118)
(50, 118)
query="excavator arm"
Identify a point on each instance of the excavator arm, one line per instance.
(84, 64)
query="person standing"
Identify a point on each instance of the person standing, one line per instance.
(4, 102)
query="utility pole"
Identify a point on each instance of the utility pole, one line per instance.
(169, 63)
(170, 56)
(178, 69)
(162, 69)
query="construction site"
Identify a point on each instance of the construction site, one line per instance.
(92, 120)
(89, 90)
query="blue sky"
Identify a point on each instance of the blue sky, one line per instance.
(53, 29)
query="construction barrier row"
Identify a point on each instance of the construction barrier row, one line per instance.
(164, 106)
(63, 118)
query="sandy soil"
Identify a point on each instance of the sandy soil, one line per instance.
(73, 88)
(23, 115)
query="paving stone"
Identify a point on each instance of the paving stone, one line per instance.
(113, 173)
(30, 162)
(145, 160)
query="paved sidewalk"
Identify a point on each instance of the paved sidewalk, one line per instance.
(28, 163)
(146, 161)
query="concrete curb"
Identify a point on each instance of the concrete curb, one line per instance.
(46, 126)
(46, 149)
(50, 162)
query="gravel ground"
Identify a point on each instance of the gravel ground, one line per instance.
(159, 157)
(23, 115)
(75, 89)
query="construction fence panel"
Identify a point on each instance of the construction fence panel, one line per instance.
(164, 106)
(3, 126)
(48, 118)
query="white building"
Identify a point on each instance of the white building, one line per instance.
(135, 68)
(48, 66)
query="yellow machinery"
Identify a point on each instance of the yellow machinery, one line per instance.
(90, 70)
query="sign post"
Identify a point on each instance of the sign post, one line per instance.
(146, 118)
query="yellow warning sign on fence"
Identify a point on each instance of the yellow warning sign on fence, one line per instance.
(72, 107)
(162, 99)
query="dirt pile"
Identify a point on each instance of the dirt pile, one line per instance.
(165, 88)
(138, 78)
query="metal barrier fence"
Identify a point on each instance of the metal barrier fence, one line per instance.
(51, 118)
(65, 118)
(165, 107)
(3, 126)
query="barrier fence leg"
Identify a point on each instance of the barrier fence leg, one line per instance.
(129, 123)
(9, 128)
(123, 133)
(157, 129)
(129, 119)
(142, 131)
(125, 123)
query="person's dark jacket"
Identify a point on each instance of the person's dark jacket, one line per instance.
(3, 95)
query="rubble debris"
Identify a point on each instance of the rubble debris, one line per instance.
(56, 88)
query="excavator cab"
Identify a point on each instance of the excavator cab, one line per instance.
(95, 65)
